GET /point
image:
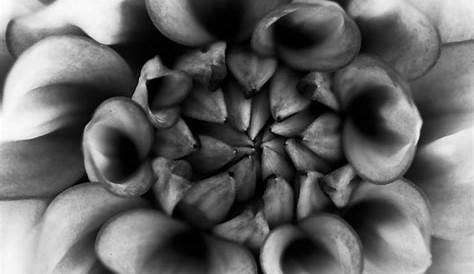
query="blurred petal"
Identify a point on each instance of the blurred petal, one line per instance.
(39, 167)
(452, 18)
(445, 96)
(452, 256)
(398, 33)
(444, 164)
(19, 218)
(147, 241)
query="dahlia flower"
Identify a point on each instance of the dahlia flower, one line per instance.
(273, 136)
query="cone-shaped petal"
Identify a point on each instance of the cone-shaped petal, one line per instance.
(304, 159)
(116, 144)
(311, 198)
(319, 244)
(393, 223)
(293, 125)
(238, 106)
(278, 202)
(260, 113)
(245, 175)
(383, 125)
(317, 87)
(314, 35)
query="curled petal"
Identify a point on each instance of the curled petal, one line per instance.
(308, 35)
(160, 90)
(398, 33)
(73, 73)
(319, 244)
(383, 125)
(453, 20)
(69, 247)
(147, 241)
(108, 22)
(116, 143)
(197, 23)
(394, 225)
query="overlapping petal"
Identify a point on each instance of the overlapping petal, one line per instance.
(49, 95)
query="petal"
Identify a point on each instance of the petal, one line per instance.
(444, 96)
(19, 233)
(79, 66)
(69, 247)
(147, 241)
(116, 144)
(452, 256)
(321, 243)
(444, 170)
(109, 22)
(308, 35)
(398, 33)
(393, 223)
(443, 164)
(39, 167)
(382, 123)
(453, 19)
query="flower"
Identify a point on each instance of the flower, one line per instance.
(282, 149)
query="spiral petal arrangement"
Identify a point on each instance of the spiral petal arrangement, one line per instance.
(217, 136)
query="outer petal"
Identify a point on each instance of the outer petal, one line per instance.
(452, 18)
(49, 96)
(444, 164)
(452, 256)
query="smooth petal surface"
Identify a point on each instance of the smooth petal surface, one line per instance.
(147, 241)
(322, 243)
(78, 65)
(452, 256)
(116, 145)
(107, 22)
(394, 225)
(383, 125)
(398, 33)
(453, 19)
(444, 164)
(308, 35)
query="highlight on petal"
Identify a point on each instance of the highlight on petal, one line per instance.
(452, 19)
(65, 241)
(116, 144)
(108, 22)
(443, 163)
(398, 33)
(382, 125)
(452, 256)
(394, 225)
(321, 243)
(308, 35)
(146, 241)
(197, 23)
(18, 228)
(73, 73)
